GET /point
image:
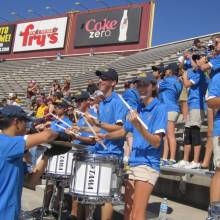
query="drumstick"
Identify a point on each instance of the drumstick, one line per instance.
(93, 131)
(131, 110)
(82, 113)
(60, 126)
(59, 119)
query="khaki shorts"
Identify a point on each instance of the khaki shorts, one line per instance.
(143, 173)
(183, 95)
(173, 116)
(216, 151)
(195, 118)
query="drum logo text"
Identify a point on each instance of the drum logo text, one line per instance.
(91, 177)
(61, 162)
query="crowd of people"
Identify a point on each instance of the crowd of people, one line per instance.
(143, 135)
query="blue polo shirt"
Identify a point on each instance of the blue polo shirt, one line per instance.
(57, 129)
(196, 93)
(11, 176)
(154, 116)
(214, 91)
(215, 65)
(81, 123)
(170, 89)
(132, 97)
(112, 111)
(187, 64)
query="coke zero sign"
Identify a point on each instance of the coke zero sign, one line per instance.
(40, 35)
(108, 27)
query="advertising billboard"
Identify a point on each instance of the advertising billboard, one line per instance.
(108, 27)
(6, 38)
(40, 35)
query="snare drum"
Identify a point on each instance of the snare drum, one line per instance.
(96, 178)
(60, 166)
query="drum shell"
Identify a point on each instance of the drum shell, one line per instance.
(96, 177)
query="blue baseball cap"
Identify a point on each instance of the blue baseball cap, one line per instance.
(13, 111)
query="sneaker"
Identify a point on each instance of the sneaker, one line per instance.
(181, 164)
(171, 162)
(164, 162)
(71, 217)
(193, 165)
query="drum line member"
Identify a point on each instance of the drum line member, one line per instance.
(213, 102)
(14, 145)
(84, 138)
(112, 114)
(60, 109)
(144, 161)
(170, 89)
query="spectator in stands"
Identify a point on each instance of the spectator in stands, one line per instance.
(196, 81)
(92, 87)
(3, 102)
(170, 89)
(213, 102)
(198, 47)
(13, 99)
(55, 88)
(95, 99)
(66, 90)
(32, 91)
(42, 108)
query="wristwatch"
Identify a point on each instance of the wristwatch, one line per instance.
(98, 124)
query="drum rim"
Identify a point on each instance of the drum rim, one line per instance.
(97, 157)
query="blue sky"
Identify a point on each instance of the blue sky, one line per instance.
(174, 19)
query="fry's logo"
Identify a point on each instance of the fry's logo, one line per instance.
(39, 36)
(103, 28)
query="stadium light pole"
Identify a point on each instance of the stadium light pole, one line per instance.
(52, 9)
(4, 19)
(17, 15)
(34, 12)
(81, 5)
(103, 2)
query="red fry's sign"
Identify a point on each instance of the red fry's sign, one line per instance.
(40, 35)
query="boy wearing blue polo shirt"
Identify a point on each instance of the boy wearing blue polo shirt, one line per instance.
(111, 117)
(196, 82)
(170, 89)
(144, 161)
(13, 145)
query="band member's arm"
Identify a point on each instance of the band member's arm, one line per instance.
(39, 138)
(33, 179)
(187, 83)
(213, 99)
(113, 135)
(109, 127)
(214, 103)
(86, 140)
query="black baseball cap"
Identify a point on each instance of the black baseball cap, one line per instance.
(148, 79)
(83, 95)
(13, 111)
(159, 68)
(110, 74)
(61, 104)
(172, 66)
